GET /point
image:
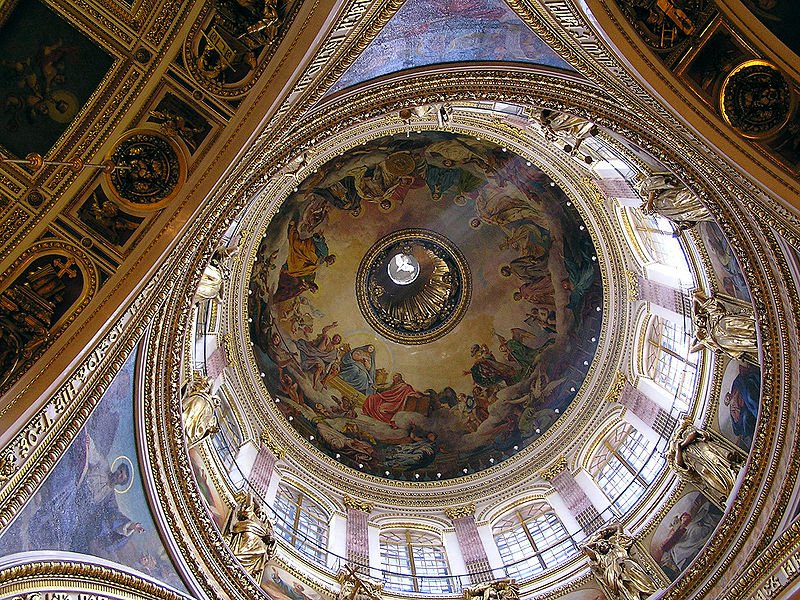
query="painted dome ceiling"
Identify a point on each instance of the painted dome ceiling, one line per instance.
(425, 306)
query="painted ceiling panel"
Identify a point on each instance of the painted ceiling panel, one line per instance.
(428, 32)
(94, 501)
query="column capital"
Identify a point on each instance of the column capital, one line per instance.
(459, 512)
(357, 504)
(271, 445)
(615, 390)
(633, 286)
(558, 467)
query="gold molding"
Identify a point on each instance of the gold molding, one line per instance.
(269, 442)
(634, 293)
(86, 580)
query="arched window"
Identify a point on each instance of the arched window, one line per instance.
(655, 235)
(669, 362)
(531, 539)
(624, 466)
(301, 522)
(416, 562)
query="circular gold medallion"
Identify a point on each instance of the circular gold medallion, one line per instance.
(756, 99)
(413, 286)
(150, 170)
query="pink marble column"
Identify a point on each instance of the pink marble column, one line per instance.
(469, 541)
(576, 500)
(264, 465)
(663, 295)
(647, 410)
(617, 188)
(358, 532)
(216, 363)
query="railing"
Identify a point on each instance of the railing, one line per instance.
(308, 549)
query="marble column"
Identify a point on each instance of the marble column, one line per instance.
(619, 189)
(641, 405)
(469, 541)
(574, 497)
(264, 465)
(358, 533)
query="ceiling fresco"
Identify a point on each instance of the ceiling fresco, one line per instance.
(429, 32)
(521, 264)
(49, 70)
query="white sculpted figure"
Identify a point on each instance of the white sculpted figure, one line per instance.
(216, 271)
(567, 128)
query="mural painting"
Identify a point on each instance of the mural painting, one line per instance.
(34, 304)
(93, 502)
(47, 73)
(464, 401)
(738, 405)
(107, 219)
(723, 262)
(178, 119)
(280, 585)
(683, 533)
(427, 32)
(216, 506)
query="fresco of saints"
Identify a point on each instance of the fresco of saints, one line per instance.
(358, 369)
(384, 405)
(299, 271)
(418, 453)
(319, 356)
(688, 533)
(487, 370)
(742, 401)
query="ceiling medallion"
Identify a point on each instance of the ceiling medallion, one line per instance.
(150, 170)
(413, 286)
(756, 99)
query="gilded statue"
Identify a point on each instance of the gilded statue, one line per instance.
(665, 196)
(252, 539)
(695, 456)
(354, 587)
(500, 589)
(568, 128)
(723, 329)
(622, 577)
(199, 410)
(215, 273)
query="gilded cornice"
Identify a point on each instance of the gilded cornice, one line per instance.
(615, 391)
(632, 279)
(78, 580)
(269, 442)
